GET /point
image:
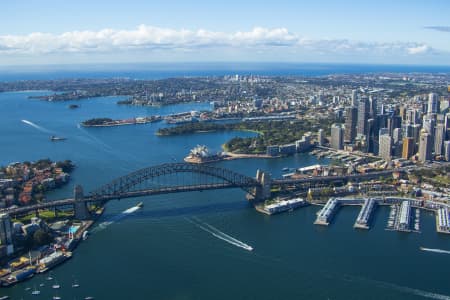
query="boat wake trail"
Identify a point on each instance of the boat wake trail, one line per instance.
(399, 288)
(95, 139)
(435, 250)
(40, 128)
(116, 218)
(219, 234)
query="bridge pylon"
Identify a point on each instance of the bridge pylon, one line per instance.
(262, 192)
(80, 207)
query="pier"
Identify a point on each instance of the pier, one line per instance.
(404, 219)
(362, 222)
(443, 220)
(326, 213)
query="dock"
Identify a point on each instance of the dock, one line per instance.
(364, 216)
(327, 212)
(443, 220)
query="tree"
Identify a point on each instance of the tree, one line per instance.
(41, 237)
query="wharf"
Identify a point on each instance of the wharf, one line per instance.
(325, 215)
(364, 216)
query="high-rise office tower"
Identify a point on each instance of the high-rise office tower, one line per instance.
(394, 121)
(350, 124)
(371, 146)
(373, 107)
(447, 126)
(6, 233)
(432, 103)
(320, 137)
(447, 150)
(385, 142)
(354, 98)
(397, 135)
(412, 116)
(425, 146)
(337, 136)
(363, 115)
(408, 147)
(438, 139)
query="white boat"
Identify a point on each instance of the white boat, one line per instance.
(56, 298)
(35, 292)
(56, 285)
(75, 284)
(85, 235)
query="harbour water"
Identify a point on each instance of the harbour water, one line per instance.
(158, 252)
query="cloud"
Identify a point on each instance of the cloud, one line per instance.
(439, 28)
(422, 49)
(150, 38)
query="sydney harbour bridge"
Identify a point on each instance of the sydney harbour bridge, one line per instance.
(187, 177)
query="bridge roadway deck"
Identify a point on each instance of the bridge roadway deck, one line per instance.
(332, 178)
(191, 188)
(131, 194)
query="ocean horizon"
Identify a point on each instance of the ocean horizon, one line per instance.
(200, 69)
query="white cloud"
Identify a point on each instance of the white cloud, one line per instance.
(148, 38)
(439, 28)
(420, 49)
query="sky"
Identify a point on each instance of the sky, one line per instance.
(132, 31)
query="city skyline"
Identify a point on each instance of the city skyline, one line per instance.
(47, 32)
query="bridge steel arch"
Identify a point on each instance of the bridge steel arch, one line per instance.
(125, 183)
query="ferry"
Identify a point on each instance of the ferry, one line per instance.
(52, 260)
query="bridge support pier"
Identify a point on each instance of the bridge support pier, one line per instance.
(262, 192)
(80, 207)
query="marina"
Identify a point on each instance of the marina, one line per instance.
(404, 213)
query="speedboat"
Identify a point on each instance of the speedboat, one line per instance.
(57, 138)
(88, 298)
(35, 292)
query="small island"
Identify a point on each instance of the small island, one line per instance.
(107, 122)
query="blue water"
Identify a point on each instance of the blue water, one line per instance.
(159, 252)
(170, 70)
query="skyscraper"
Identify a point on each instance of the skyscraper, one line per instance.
(373, 107)
(425, 146)
(354, 98)
(6, 233)
(320, 137)
(350, 124)
(397, 135)
(412, 116)
(337, 136)
(432, 103)
(385, 150)
(439, 139)
(447, 150)
(363, 115)
(408, 147)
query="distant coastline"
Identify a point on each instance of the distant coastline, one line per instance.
(192, 69)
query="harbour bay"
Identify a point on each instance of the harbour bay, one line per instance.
(157, 252)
